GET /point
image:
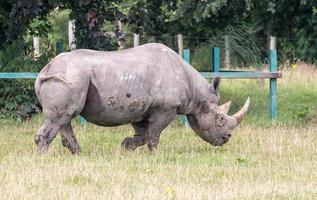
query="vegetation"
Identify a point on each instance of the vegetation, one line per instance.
(293, 21)
(257, 163)
(263, 160)
(277, 161)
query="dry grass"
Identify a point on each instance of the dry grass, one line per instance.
(259, 162)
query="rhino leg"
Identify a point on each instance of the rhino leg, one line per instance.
(61, 102)
(139, 139)
(68, 139)
(45, 135)
(158, 121)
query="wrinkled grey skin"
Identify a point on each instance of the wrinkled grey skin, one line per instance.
(145, 86)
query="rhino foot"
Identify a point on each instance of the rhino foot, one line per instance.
(45, 136)
(129, 143)
(72, 147)
(69, 140)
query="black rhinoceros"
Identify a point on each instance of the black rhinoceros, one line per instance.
(145, 86)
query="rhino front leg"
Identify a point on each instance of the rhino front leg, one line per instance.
(139, 139)
(45, 135)
(158, 121)
(69, 139)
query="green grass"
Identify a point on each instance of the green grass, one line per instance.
(262, 160)
(296, 97)
(274, 162)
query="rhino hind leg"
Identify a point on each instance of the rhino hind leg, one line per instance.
(158, 121)
(139, 139)
(50, 129)
(61, 104)
(45, 135)
(68, 139)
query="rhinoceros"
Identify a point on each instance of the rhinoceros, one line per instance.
(145, 86)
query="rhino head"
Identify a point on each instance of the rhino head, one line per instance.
(211, 121)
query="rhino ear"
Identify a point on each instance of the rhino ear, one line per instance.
(214, 89)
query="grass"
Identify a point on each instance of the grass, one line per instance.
(261, 161)
(296, 97)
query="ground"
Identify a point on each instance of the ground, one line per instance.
(262, 160)
(257, 162)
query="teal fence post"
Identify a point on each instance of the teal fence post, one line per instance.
(82, 120)
(59, 47)
(186, 56)
(216, 60)
(273, 85)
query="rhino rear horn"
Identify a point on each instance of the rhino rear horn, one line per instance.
(242, 112)
(225, 107)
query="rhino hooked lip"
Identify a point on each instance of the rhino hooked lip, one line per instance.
(221, 139)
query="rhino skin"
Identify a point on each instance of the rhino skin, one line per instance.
(145, 86)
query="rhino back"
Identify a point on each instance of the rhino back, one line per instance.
(125, 85)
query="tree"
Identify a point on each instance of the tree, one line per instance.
(17, 15)
(90, 16)
(295, 21)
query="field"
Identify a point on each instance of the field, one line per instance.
(263, 160)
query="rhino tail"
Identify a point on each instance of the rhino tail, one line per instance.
(55, 76)
(42, 78)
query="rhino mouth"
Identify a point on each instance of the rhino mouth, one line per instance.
(220, 140)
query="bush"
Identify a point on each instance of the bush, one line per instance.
(17, 97)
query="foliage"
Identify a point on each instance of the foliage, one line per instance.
(145, 16)
(293, 20)
(296, 21)
(89, 18)
(17, 15)
(17, 97)
(58, 20)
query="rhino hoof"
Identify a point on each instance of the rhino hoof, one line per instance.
(129, 144)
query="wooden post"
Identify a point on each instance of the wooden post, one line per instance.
(227, 52)
(136, 39)
(71, 35)
(186, 56)
(120, 28)
(216, 60)
(273, 84)
(272, 42)
(36, 44)
(180, 44)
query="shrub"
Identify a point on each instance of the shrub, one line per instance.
(17, 97)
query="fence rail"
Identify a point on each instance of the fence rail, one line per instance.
(216, 72)
(18, 75)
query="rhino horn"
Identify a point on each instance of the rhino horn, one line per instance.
(225, 107)
(241, 113)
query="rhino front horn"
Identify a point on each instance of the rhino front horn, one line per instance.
(242, 112)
